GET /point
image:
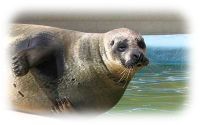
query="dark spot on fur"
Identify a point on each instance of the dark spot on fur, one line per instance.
(78, 84)
(73, 79)
(21, 93)
(112, 43)
(15, 85)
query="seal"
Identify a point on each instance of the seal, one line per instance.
(63, 70)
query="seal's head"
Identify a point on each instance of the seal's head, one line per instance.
(125, 48)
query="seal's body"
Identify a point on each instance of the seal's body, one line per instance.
(52, 66)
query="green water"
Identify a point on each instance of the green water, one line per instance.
(157, 88)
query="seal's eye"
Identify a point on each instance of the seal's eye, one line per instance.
(122, 47)
(141, 44)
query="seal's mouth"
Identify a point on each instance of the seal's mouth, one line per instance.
(139, 62)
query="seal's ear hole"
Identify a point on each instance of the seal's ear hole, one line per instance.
(112, 42)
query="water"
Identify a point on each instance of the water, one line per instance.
(157, 88)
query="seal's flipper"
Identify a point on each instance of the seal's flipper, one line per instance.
(25, 59)
(43, 52)
(20, 64)
(42, 55)
(62, 106)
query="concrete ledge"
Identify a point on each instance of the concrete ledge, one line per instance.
(146, 23)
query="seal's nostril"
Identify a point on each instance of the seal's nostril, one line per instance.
(135, 56)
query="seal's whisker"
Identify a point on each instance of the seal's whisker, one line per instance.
(122, 72)
(127, 78)
(132, 70)
(122, 76)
